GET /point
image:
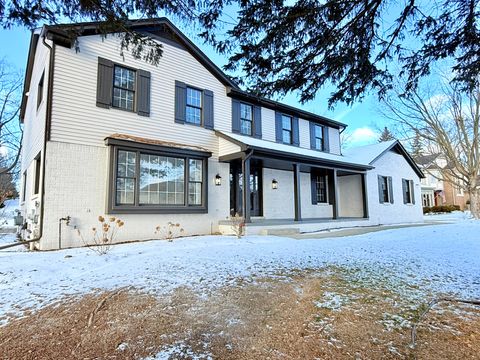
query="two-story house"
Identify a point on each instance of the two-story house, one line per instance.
(181, 142)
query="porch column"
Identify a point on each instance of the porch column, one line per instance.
(296, 192)
(246, 189)
(333, 193)
(364, 193)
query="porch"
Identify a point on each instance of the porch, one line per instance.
(286, 187)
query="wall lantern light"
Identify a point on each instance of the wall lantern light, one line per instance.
(274, 184)
(218, 180)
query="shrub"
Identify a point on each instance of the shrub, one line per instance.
(169, 231)
(238, 225)
(441, 209)
(104, 236)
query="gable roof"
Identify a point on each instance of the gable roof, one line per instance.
(164, 30)
(371, 153)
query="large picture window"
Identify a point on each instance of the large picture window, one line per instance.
(163, 182)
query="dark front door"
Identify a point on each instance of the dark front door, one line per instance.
(236, 190)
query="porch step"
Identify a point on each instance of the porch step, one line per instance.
(280, 232)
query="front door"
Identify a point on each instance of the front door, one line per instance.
(236, 189)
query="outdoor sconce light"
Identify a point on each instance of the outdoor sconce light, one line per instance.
(218, 180)
(274, 184)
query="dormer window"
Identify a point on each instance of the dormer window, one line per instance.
(319, 137)
(287, 129)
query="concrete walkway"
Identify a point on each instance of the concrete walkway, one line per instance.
(359, 230)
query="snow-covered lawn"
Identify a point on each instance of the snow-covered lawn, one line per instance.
(439, 258)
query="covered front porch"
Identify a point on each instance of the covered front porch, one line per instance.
(288, 187)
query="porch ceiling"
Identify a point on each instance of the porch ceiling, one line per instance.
(280, 153)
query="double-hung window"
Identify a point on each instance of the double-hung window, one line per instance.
(321, 182)
(385, 189)
(319, 144)
(408, 197)
(193, 113)
(246, 119)
(287, 137)
(124, 88)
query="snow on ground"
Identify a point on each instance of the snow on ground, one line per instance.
(439, 258)
(7, 213)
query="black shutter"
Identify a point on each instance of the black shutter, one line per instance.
(404, 190)
(143, 93)
(278, 127)
(104, 83)
(208, 109)
(380, 191)
(412, 192)
(257, 121)
(390, 189)
(326, 139)
(180, 101)
(295, 132)
(235, 116)
(312, 135)
(313, 187)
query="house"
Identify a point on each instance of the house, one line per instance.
(181, 142)
(438, 187)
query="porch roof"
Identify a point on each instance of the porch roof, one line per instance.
(293, 153)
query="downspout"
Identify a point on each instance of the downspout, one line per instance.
(46, 137)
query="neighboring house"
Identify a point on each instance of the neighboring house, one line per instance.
(438, 188)
(181, 142)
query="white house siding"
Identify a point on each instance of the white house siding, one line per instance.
(278, 203)
(77, 187)
(76, 118)
(304, 133)
(394, 165)
(226, 147)
(33, 139)
(268, 124)
(350, 196)
(334, 141)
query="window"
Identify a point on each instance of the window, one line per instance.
(40, 90)
(321, 182)
(246, 119)
(318, 129)
(287, 129)
(157, 181)
(194, 106)
(124, 88)
(408, 197)
(195, 182)
(24, 185)
(385, 189)
(126, 171)
(36, 187)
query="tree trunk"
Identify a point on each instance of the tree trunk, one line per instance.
(475, 203)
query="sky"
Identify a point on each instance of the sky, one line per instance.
(363, 118)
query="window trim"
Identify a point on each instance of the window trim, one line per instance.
(134, 91)
(38, 170)
(389, 190)
(24, 186)
(408, 187)
(291, 128)
(140, 148)
(201, 124)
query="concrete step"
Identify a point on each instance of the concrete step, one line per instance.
(280, 232)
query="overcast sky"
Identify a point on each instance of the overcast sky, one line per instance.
(362, 118)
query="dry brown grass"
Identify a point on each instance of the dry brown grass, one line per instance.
(265, 319)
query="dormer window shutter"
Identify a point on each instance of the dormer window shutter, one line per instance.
(104, 83)
(143, 93)
(295, 132)
(257, 121)
(208, 109)
(180, 101)
(235, 116)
